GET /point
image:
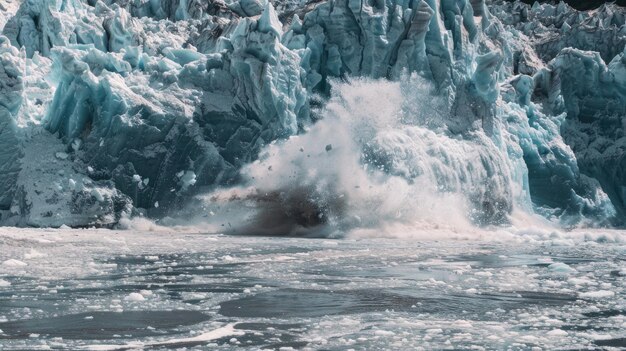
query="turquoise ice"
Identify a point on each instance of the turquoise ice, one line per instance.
(186, 93)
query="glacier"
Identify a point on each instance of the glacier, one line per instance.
(312, 113)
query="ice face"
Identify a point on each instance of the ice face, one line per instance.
(186, 93)
(594, 97)
(11, 86)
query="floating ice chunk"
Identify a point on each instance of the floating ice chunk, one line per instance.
(434, 331)
(134, 297)
(598, 294)
(581, 281)
(227, 330)
(561, 267)
(4, 283)
(484, 274)
(33, 254)
(219, 333)
(14, 263)
(557, 332)
(465, 324)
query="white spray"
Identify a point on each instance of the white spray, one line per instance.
(380, 157)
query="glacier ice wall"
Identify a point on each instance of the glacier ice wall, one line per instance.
(11, 85)
(111, 108)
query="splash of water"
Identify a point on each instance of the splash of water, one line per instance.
(381, 156)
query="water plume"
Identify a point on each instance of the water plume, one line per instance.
(381, 155)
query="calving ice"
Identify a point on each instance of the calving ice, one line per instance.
(312, 118)
(166, 165)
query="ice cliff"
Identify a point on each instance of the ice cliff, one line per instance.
(115, 108)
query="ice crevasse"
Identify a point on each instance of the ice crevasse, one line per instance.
(113, 108)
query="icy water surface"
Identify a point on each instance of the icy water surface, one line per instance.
(99, 290)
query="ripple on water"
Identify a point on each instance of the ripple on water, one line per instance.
(300, 303)
(103, 325)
